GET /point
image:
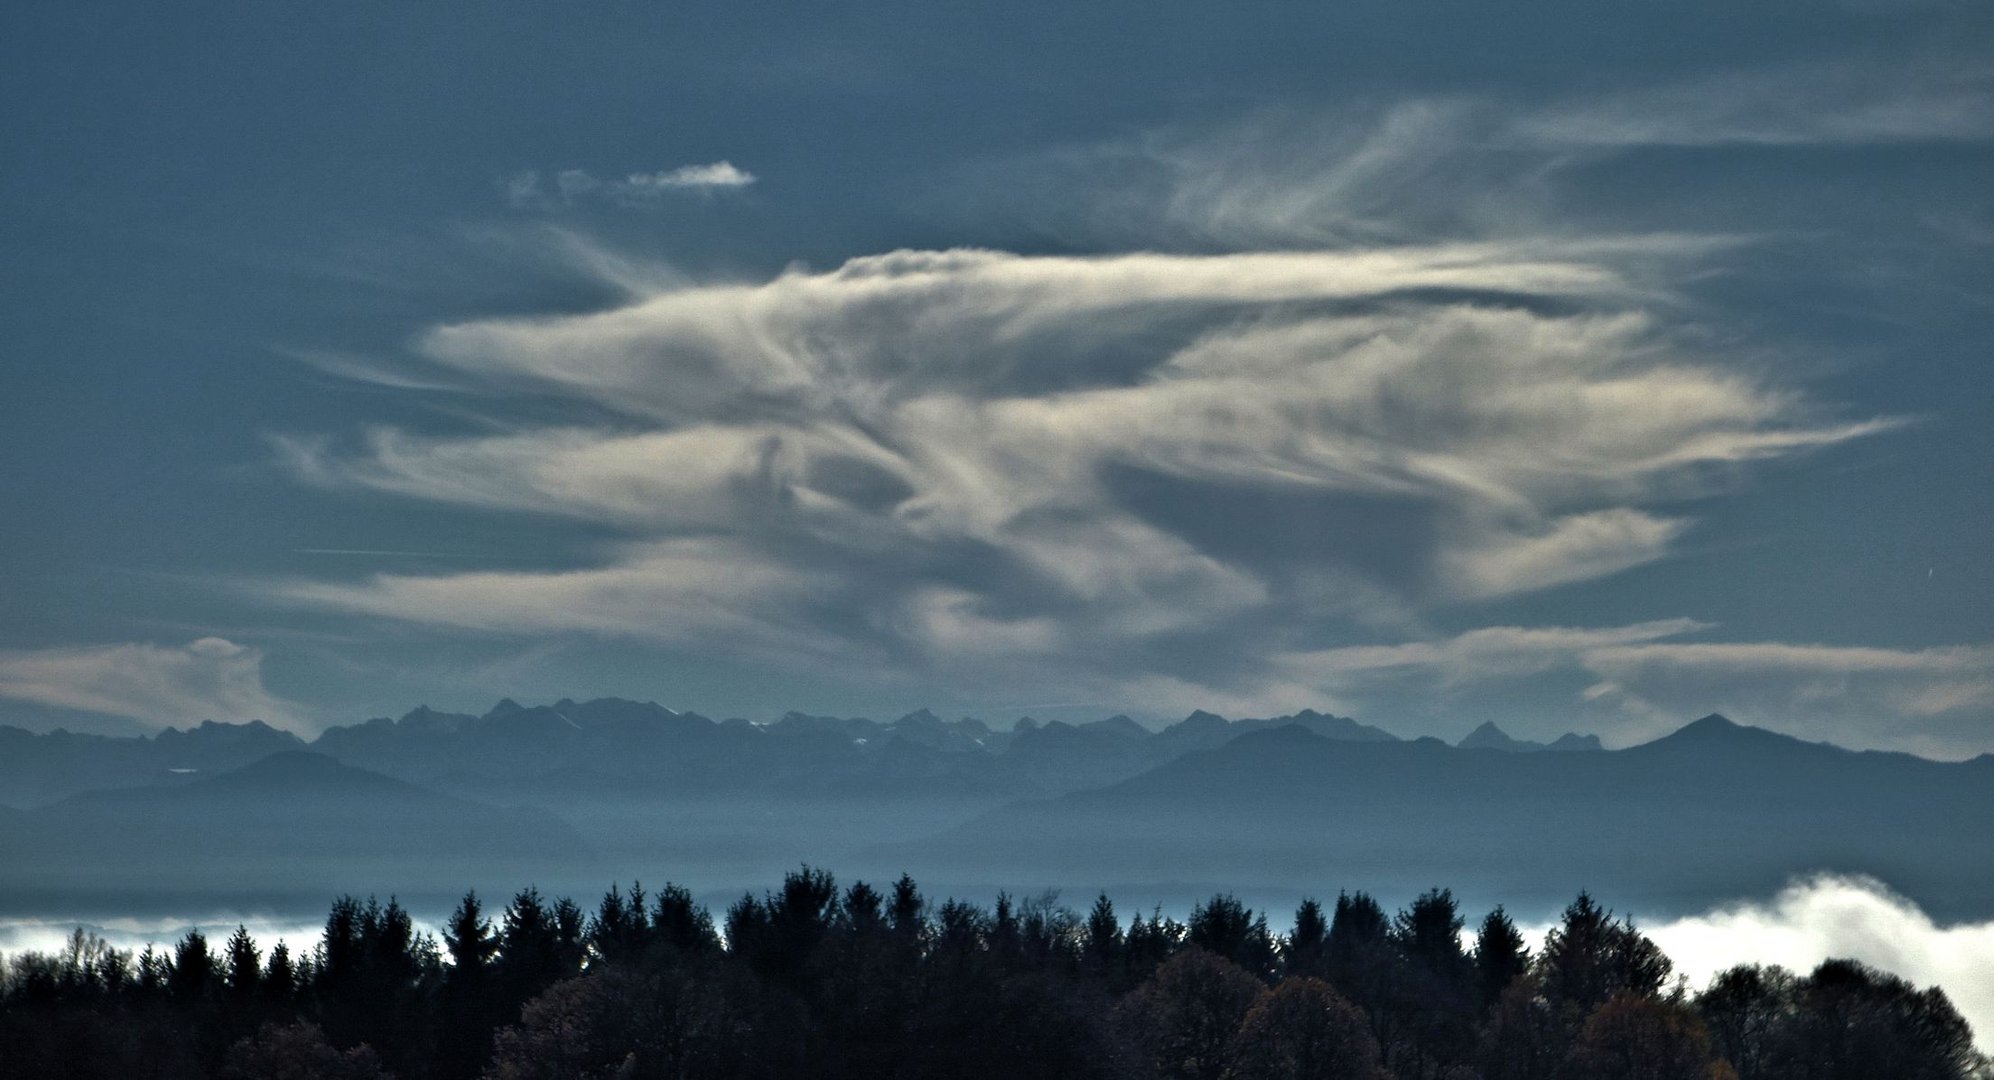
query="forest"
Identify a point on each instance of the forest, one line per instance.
(816, 980)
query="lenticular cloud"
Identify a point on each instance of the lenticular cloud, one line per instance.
(872, 458)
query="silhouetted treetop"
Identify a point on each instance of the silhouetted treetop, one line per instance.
(817, 983)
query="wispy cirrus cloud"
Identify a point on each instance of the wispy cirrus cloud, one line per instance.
(1334, 374)
(1369, 171)
(985, 466)
(208, 679)
(1936, 99)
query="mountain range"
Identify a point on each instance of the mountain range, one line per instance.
(1714, 810)
(574, 794)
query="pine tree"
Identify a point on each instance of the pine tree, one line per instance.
(682, 925)
(470, 1003)
(1500, 956)
(1103, 943)
(621, 926)
(1589, 957)
(468, 935)
(863, 911)
(242, 964)
(193, 972)
(1230, 929)
(907, 913)
(280, 979)
(1307, 951)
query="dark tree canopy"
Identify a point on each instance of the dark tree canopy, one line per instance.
(818, 982)
(1500, 955)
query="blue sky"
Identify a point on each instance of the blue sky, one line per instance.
(1432, 363)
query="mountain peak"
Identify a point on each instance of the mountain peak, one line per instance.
(1489, 737)
(1720, 731)
(1712, 726)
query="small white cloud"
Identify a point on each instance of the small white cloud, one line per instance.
(525, 191)
(719, 174)
(208, 679)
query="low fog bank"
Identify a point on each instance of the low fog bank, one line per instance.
(1834, 916)
(299, 931)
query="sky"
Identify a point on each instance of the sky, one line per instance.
(1431, 363)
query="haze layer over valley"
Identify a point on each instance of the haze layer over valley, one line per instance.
(573, 795)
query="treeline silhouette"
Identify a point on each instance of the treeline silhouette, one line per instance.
(813, 981)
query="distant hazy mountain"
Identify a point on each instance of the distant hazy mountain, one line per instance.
(1491, 737)
(36, 769)
(577, 791)
(293, 819)
(641, 785)
(1715, 810)
(516, 751)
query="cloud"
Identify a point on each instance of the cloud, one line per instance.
(1832, 103)
(720, 174)
(529, 190)
(208, 679)
(1318, 414)
(988, 467)
(1363, 172)
(1492, 652)
(1349, 174)
(674, 592)
(1645, 684)
(1937, 697)
(1841, 917)
(1575, 548)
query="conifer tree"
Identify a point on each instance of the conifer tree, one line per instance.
(681, 924)
(193, 976)
(469, 938)
(1103, 941)
(1589, 957)
(1500, 955)
(1307, 947)
(907, 912)
(242, 964)
(280, 978)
